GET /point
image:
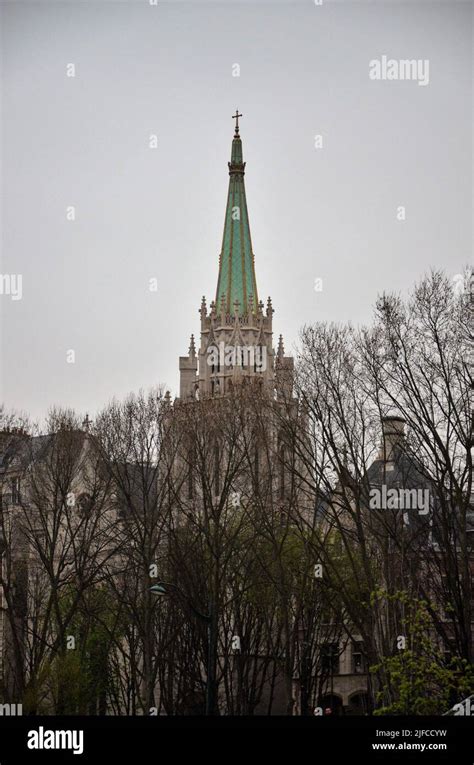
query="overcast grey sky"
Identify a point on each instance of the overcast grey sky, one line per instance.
(145, 213)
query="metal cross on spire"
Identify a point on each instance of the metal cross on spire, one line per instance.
(236, 118)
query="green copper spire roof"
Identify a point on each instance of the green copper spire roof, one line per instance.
(236, 280)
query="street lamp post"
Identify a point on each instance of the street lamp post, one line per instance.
(168, 588)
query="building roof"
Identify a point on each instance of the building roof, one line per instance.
(19, 451)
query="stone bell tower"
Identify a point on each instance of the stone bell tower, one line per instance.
(236, 330)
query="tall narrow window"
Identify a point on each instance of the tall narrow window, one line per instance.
(358, 663)
(216, 469)
(282, 472)
(190, 481)
(330, 658)
(16, 494)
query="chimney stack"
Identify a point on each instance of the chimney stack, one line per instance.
(393, 429)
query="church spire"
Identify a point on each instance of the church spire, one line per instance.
(236, 281)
